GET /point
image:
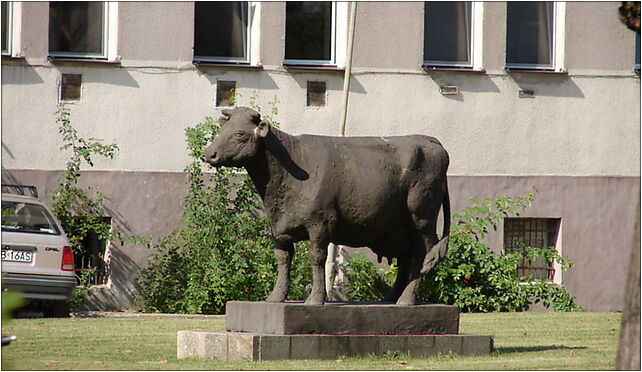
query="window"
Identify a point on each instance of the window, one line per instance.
(534, 232)
(530, 35)
(447, 33)
(310, 36)
(6, 27)
(27, 218)
(78, 29)
(222, 31)
(90, 258)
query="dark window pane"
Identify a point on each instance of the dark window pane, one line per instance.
(447, 31)
(220, 29)
(5, 22)
(308, 30)
(529, 33)
(76, 27)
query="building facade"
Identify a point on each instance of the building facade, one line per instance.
(538, 96)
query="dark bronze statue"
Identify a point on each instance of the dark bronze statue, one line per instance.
(381, 192)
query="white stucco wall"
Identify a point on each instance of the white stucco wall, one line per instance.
(575, 125)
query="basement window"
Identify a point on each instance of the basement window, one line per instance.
(225, 93)
(316, 93)
(90, 260)
(533, 232)
(70, 86)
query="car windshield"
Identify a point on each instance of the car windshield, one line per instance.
(27, 217)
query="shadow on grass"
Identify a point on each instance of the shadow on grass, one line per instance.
(526, 349)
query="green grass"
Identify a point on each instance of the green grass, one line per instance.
(551, 341)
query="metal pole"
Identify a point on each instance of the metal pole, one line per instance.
(348, 71)
(332, 248)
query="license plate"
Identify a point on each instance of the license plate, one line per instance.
(17, 256)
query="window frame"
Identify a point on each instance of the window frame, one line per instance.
(248, 47)
(557, 41)
(333, 44)
(471, 46)
(9, 14)
(105, 40)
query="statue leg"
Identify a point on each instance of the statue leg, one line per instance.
(424, 239)
(283, 253)
(403, 273)
(318, 254)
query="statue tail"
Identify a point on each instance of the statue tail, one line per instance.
(438, 251)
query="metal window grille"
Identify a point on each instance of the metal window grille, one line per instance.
(92, 257)
(534, 232)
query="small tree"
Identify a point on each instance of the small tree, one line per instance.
(80, 212)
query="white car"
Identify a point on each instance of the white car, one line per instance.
(37, 259)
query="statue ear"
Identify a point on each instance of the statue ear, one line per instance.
(262, 129)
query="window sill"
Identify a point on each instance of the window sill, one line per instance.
(9, 57)
(53, 59)
(515, 70)
(312, 68)
(199, 64)
(430, 68)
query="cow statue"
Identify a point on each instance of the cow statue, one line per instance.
(381, 192)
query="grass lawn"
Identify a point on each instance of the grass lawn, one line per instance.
(551, 341)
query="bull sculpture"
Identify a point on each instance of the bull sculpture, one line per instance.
(381, 192)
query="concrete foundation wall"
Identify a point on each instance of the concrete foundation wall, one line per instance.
(596, 213)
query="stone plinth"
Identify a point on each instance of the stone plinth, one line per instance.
(341, 318)
(230, 346)
(292, 330)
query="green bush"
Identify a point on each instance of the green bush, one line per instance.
(223, 250)
(81, 211)
(471, 276)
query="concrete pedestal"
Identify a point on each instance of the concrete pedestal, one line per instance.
(341, 318)
(267, 331)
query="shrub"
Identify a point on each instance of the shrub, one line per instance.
(223, 250)
(80, 211)
(471, 276)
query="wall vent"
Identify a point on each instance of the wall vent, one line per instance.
(526, 93)
(448, 90)
(316, 93)
(225, 93)
(70, 85)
